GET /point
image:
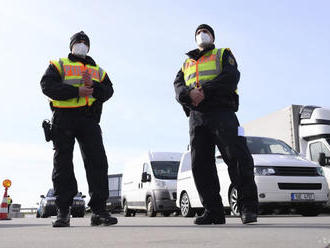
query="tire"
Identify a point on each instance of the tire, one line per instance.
(185, 207)
(150, 208)
(78, 215)
(166, 214)
(233, 201)
(310, 212)
(126, 211)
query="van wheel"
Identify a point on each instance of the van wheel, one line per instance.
(233, 201)
(150, 208)
(127, 212)
(185, 207)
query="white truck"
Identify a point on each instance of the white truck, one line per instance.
(305, 128)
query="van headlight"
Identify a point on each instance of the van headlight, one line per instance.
(319, 171)
(264, 171)
(160, 184)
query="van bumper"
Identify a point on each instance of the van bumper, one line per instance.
(164, 200)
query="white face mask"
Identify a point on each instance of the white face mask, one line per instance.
(80, 49)
(203, 39)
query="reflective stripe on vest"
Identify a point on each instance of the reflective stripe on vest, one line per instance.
(71, 73)
(204, 69)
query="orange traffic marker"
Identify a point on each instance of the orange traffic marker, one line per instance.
(4, 207)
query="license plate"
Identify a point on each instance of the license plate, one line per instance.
(302, 197)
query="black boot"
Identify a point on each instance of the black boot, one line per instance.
(103, 218)
(248, 217)
(62, 219)
(209, 218)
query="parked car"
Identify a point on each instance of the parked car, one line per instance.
(285, 180)
(47, 205)
(149, 185)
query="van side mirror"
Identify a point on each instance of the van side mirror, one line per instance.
(323, 160)
(42, 196)
(83, 196)
(146, 177)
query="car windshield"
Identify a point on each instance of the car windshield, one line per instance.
(165, 169)
(260, 145)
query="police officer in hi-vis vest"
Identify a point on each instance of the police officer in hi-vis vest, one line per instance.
(77, 88)
(206, 87)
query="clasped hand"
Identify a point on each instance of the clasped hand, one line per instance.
(196, 95)
(87, 89)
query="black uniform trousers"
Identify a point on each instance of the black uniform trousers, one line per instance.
(68, 125)
(220, 128)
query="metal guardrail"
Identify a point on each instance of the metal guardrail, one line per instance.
(28, 210)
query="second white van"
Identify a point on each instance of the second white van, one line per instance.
(149, 185)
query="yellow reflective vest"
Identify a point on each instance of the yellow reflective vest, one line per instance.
(71, 73)
(204, 69)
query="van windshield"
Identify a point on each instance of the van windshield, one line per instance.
(165, 169)
(261, 145)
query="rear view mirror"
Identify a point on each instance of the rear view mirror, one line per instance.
(323, 160)
(145, 177)
(83, 196)
(42, 196)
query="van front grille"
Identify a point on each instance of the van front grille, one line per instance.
(304, 186)
(296, 171)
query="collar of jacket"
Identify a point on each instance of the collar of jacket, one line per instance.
(87, 60)
(196, 53)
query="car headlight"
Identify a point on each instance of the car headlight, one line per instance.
(319, 171)
(264, 171)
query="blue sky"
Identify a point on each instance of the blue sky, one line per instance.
(282, 49)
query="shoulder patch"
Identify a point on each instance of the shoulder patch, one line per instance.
(231, 60)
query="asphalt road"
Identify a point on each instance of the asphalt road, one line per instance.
(141, 231)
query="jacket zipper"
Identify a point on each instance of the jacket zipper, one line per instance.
(86, 97)
(197, 76)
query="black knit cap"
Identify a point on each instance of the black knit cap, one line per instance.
(207, 27)
(78, 37)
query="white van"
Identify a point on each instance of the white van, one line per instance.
(285, 180)
(149, 185)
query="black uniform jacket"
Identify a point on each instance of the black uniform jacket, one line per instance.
(53, 87)
(219, 92)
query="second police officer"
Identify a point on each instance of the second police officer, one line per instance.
(206, 87)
